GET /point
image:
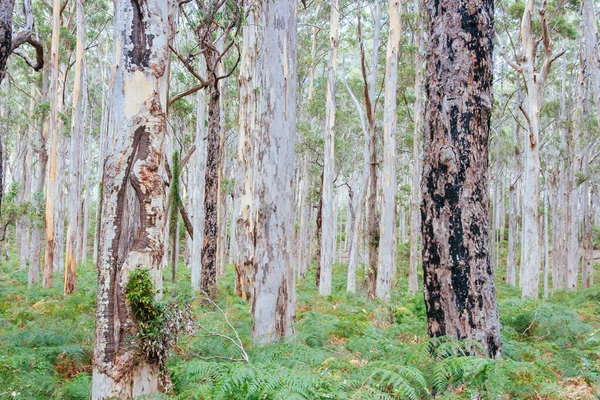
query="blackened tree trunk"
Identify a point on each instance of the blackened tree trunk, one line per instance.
(211, 188)
(460, 293)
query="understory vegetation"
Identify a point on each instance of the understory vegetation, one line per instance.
(346, 347)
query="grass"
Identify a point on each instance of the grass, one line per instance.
(345, 347)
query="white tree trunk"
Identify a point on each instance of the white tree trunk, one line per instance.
(327, 224)
(75, 167)
(132, 223)
(275, 297)
(415, 212)
(387, 227)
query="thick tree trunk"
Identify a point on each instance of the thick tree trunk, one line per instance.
(274, 302)
(327, 223)
(6, 34)
(387, 244)
(460, 293)
(134, 213)
(75, 168)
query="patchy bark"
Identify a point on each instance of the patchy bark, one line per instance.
(460, 293)
(133, 216)
(246, 152)
(274, 301)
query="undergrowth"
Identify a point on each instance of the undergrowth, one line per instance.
(345, 346)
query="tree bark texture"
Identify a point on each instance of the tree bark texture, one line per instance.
(274, 301)
(460, 293)
(133, 215)
(245, 181)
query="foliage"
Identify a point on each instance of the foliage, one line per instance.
(159, 324)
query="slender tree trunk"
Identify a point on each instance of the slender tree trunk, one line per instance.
(413, 284)
(274, 302)
(387, 245)
(546, 238)
(213, 158)
(591, 48)
(199, 185)
(534, 79)
(53, 155)
(134, 212)
(327, 223)
(460, 293)
(77, 140)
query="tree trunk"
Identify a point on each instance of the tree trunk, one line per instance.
(534, 79)
(274, 302)
(247, 163)
(327, 223)
(387, 244)
(413, 283)
(213, 158)
(199, 184)
(591, 48)
(460, 293)
(51, 190)
(77, 141)
(134, 213)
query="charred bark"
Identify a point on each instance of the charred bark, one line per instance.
(460, 293)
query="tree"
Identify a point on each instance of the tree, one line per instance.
(387, 244)
(215, 16)
(460, 293)
(77, 140)
(133, 215)
(325, 266)
(245, 179)
(413, 284)
(274, 301)
(52, 183)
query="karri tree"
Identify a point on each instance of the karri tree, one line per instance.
(133, 216)
(460, 293)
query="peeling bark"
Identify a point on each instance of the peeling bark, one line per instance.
(247, 158)
(133, 216)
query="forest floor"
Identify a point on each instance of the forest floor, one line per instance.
(346, 346)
